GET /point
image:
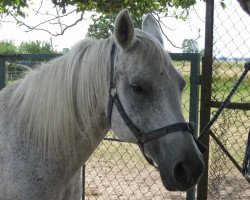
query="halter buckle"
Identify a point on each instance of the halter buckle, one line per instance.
(112, 90)
(143, 138)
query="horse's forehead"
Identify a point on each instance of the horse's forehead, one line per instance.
(154, 65)
(148, 58)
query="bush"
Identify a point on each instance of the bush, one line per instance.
(7, 46)
(35, 47)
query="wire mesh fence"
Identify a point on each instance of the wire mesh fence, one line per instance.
(15, 71)
(16, 66)
(118, 171)
(231, 50)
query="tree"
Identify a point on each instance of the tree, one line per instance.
(105, 11)
(26, 47)
(7, 47)
(107, 7)
(35, 47)
(190, 46)
(103, 25)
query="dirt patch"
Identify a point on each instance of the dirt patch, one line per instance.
(123, 174)
(120, 172)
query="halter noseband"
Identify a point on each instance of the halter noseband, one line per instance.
(139, 134)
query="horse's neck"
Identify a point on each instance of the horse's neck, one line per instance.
(61, 165)
(84, 149)
(90, 124)
(86, 144)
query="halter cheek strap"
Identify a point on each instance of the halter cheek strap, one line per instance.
(114, 99)
(139, 134)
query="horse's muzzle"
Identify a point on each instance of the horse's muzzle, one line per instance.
(183, 176)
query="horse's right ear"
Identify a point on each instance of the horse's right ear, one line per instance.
(151, 26)
(124, 30)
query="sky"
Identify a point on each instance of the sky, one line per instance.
(177, 30)
(180, 30)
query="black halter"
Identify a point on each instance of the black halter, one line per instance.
(139, 134)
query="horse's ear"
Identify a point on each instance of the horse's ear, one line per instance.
(124, 30)
(151, 26)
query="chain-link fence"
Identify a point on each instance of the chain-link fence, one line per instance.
(16, 66)
(231, 50)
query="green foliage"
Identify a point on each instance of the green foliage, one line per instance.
(7, 47)
(107, 7)
(190, 46)
(136, 7)
(26, 47)
(35, 47)
(103, 25)
(13, 6)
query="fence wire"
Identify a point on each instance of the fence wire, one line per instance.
(231, 50)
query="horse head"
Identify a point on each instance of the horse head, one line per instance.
(149, 89)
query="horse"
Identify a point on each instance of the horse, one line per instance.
(53, 119)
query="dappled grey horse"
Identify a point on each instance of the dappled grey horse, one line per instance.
(53, 119)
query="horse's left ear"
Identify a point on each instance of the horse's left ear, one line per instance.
(124, 30)
(151, 26)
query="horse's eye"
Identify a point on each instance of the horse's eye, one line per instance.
(137, 88)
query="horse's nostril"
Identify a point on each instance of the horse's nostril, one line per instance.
(182, 173)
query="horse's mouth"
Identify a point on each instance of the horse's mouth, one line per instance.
(172, 185)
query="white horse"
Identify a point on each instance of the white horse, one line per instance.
(53, 120)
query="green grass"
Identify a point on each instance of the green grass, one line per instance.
(221, 88)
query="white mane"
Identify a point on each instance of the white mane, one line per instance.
(66, 94)
(62, 95)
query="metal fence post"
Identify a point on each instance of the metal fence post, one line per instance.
(206, 80)
(194, 103)
(194, 89)
(2, 72)
(83, 182)
(194, 95)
